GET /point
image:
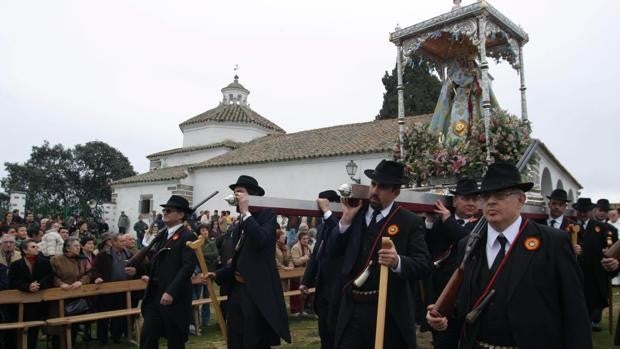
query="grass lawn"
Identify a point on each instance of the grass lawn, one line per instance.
(305, 335)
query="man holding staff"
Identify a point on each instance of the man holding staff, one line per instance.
(255, 311)
(522, 287)
(357, 238)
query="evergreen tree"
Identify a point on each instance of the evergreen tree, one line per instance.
(421, 90)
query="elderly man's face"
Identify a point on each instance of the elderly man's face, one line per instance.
(502, 208)
(613, 216)
(8, 244)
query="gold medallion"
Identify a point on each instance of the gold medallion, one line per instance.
(460, 128)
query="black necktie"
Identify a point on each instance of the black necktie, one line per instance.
(460, 221)
(373, 219)
(553, 223)
(500, 255)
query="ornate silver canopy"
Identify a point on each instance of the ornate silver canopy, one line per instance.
(441, 38)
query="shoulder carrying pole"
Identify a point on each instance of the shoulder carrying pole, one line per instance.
(382, 301)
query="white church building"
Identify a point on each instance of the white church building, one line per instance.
(232, 139)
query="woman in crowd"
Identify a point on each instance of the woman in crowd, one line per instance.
(150, 234)
(300, 254)
(8, 219)
(69, 274)
(88, 266)
(31, 273)
(283, 260)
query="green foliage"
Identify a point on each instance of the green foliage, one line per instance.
(55, 177)
(421, 90)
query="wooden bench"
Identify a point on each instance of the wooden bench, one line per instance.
(20, 298)
(60, 295)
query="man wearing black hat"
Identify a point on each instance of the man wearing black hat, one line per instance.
(537, 299)
(167, 303)
(255, 311)
(442, 237)
(593, 238)
(558, 200)
(600, 213)
(323, 272)
(357, 238)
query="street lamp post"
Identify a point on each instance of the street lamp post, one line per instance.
(351, 167)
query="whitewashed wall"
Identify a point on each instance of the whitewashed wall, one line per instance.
(214, 133)
(293, 179)
(551, 174)
(128, 199)
(192, 157)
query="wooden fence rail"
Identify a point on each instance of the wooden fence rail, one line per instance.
(60, 296)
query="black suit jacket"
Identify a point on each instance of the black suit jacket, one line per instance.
(593, 240)
(546, 306)
(322, 270)
(259, 271)
(21, 277)
(173, 264)
(414, 264)
(443, 238)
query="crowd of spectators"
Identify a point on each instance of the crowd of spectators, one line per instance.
(38, 252)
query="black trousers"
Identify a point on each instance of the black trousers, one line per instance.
(246, 327)
(448, 339)
(360, 331)
(327, 314)
(156, 325)
(117, 326)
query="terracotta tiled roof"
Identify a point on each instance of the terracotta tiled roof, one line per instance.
(233, 113)
(225, 144)
(362, 138)
(158, 175)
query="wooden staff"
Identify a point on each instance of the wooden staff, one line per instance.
(197, 247)
(610, 291)
(386, 243)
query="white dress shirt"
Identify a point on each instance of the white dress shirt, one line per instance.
(558, 222)
(493, 246)
(173, 230)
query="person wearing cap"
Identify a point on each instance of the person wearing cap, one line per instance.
(167, 302)
(538, 299)
(357, 239)
(558, 201)
(323, 273)
(442, 236)
(593, 238)
(255, 311)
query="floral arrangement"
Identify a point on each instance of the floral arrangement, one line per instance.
(428, 157)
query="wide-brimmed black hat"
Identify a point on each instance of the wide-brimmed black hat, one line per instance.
(388, 172)
(465, 186)
(179, 203)
(583, 205)
(559, 195)
(250, 184)
(503, 175)
(330, 195)
(603, 204)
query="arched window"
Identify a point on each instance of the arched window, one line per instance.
(559, 185)
(571, 196)
(546, 185)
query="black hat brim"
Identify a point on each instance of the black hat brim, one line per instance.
(463, 193)
(384, 180)
(252, 189)
(184, 209)
(559, 199)
(527, 186)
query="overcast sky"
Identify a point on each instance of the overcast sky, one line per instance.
(128, 72)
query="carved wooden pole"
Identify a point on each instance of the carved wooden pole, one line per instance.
(484, 67)
(386, 243)
(401, 101)
(522, 88)
(197, 247)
